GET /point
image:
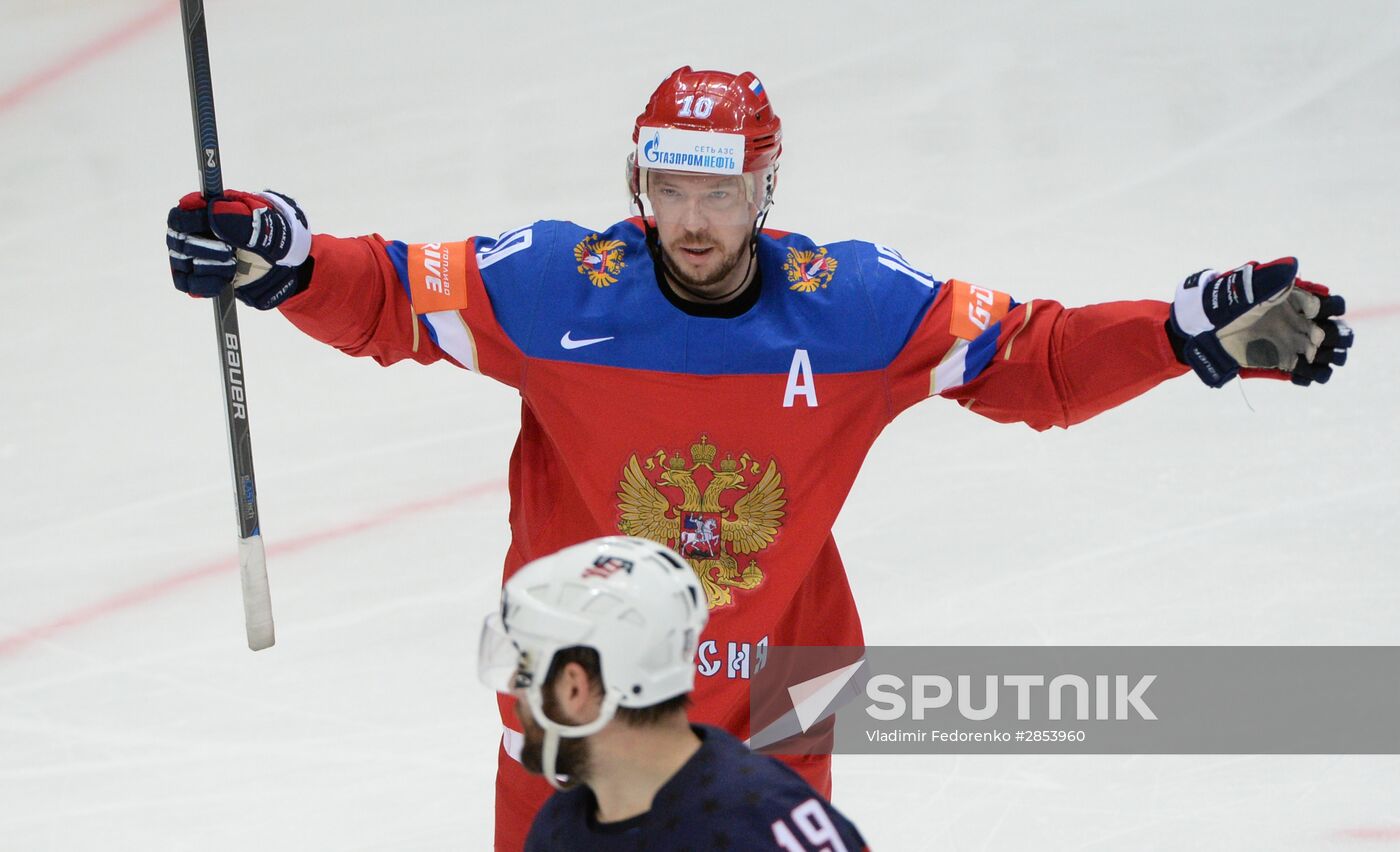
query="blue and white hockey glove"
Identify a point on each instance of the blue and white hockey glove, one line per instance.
(1259, 320)
(257, 242)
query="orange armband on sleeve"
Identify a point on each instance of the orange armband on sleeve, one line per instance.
(975, 309)
(437, 276)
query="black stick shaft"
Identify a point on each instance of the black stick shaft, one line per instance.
(256, 601)
(206, 133)
(225, 316)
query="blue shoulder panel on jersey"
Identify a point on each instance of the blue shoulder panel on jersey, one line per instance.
(900, 295)
(562, 292)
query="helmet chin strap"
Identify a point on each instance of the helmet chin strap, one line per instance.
(549, 755)
(753, 261)
(548, 759)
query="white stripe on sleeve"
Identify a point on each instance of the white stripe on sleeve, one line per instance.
(453, 337)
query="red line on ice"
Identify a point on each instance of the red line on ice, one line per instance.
(86, 54)
(151, 591)
(1373, 312)
(1384, 832)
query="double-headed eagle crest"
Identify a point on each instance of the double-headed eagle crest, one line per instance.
(707, 523)
(808, 270)
(599, 259)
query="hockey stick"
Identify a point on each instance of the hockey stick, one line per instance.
(252, 562)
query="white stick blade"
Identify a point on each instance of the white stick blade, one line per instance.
(257, 597)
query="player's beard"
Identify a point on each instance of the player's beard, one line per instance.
(699, 285)
(572, 759)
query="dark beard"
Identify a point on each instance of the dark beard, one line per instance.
(572, 759)
(693, 284)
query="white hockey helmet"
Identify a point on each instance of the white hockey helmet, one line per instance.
(637, 603)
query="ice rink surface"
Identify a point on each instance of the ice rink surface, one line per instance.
(1083, 151)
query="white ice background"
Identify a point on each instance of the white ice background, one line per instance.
(1083, 151)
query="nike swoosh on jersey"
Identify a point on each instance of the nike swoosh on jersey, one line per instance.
(569, 343)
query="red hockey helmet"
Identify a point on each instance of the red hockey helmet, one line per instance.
(710, 122)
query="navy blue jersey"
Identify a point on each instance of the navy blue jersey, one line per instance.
(724, 798)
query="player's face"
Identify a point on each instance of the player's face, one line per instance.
(704, 223)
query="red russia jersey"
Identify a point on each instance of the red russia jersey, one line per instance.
(733, 440)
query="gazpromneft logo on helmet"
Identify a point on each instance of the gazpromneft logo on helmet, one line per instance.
(690, 151)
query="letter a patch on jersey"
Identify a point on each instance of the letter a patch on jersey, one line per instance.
(437, 276)
(975, 309)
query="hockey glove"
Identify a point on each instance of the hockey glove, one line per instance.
(1259, 320)
(257, 242)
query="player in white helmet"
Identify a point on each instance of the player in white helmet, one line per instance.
(628, 601)
(597, 644)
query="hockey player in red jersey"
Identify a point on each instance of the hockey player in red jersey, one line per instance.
(596, 643)
(690, 377)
